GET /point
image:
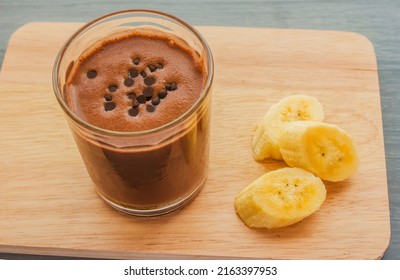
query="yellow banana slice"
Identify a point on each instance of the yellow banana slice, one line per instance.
(291, 108)
(323, 149)
(280, 198)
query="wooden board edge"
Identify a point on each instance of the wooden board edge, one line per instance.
(101, 254)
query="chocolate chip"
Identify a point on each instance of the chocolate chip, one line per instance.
(108, 106)
(160, 66)
(174, 86)
(168, 86)
(150, 108)
(143, 74)
(133, 73)
(152, 68)
(108, 97)
(135, 104)
(162, 94)
(128, 82)
(141, 99)
(91, 74)
(136, 61)
(133, 112)
(148, 91)
(112, 88)
(149, 81)
(131, 95)
(155, 101)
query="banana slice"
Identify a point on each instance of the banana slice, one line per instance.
(321, 148)
(280, 198)
(291, 108)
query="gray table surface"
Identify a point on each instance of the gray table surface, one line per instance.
(378, 20)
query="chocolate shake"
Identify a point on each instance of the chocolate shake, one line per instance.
(135, 87)
(133, 82)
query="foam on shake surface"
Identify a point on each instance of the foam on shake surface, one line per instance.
(135, 82)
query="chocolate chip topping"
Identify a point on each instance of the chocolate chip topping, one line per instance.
(135, 104)
(128, 82)
(108, 106)
(91, 74)
(131, 95)
(133, 73)
(150, 108)
(173, 86)
(152, 68)
(155, 101)
(136, 61)
(147, 94)
(112, 88)
(148, 91)
(149, 80)
(141, 99)
(133, 112)
(162, 94)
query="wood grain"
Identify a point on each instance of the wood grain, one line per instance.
(48, 205)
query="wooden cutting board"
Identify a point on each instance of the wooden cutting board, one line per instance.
(48, 204)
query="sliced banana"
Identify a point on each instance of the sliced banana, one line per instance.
(291, 108)
(323, 149)
(280, 198)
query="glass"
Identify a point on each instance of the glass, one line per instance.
(150, 172)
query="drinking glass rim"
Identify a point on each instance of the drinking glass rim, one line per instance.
(204, 93)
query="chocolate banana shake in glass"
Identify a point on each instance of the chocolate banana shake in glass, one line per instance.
(136, 87)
